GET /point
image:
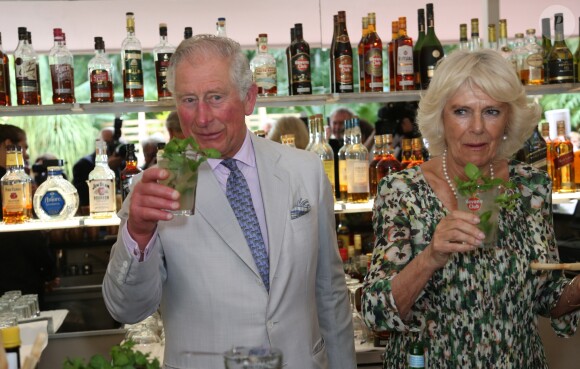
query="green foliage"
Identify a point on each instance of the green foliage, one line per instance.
(476, 181)
(122, 357)
(564, 101)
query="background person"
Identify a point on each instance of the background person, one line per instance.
(428, 280)
(200, 269)
(336, 125)
(172, 125)
(290, 125)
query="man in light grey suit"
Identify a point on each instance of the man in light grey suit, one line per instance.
(200, 270)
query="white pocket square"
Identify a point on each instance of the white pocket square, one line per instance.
(302, 207)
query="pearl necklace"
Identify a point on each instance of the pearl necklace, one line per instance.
(446, 175)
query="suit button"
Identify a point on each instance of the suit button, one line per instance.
(270, 324)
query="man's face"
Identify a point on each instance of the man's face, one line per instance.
(209, 104)
(337, 124)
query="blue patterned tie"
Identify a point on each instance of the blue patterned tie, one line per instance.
(238, 194)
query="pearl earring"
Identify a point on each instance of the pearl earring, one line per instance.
(504, 137)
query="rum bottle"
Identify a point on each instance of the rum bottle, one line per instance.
(16, 188)
(391, 55)
(417, 47)
(361, 53)
(417, 156)
(377, 151)
(263, 66)
(560, 60)
(187, 33)
(161, 54)
(406, 152)
(546, 45)
(342, 164)
(100, 72)
(131, 169)
(357, 166)
(405, 79)
(26, 72)
(532, 72)
(61, 64)
(373, 58)
(431, 51)
(101, 182)
(289, 60)
(545, 133)
(331, 53)
(388, 163)
(4, 77)
(563, 161)
(300, 62)
(343, 62)
(463, 41)
(535, 151)
(131, 58)
(475, 41)
(29, 36)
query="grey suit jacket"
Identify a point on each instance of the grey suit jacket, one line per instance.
(203, 276)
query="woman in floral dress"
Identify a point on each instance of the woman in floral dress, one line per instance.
(429, 281)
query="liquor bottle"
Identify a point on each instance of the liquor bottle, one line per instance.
(100, 72)
(377, 152)
(491, 37)
(535, 151)
(342, 167)
(221, 27)
(263, 66)
(288, 139)
(405, 78)
(417, 156)
(417, 47)
(373, 58)
(16, 188)
(546, 45)
(391, 55)
(187, 33)
(56, 198)
(331, 53)
(38, 89)
(289, 60)
(406, 152)
(545, 133)
(519, 53)
(131, 58)
(10, 342)
(503, 46)
(431, 51)
(388, 163)
(532, 72)
(563, 161)
(131, 169)
(300, 62)
(560, 60)
(463, 41)
(161, 54)
(4, 77)
(361, 54)
(25, 60)
(357, 167)
(102, 193)
(323, 149)
(475, 41)
(577, 57)
(416, 358)
(311, 132)
(342, 232)
(343, 63)
(61, 64)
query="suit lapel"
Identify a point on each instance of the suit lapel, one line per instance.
(212, 204)
(274, 184)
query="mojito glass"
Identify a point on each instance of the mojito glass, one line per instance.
(183, 178)
(482, 203)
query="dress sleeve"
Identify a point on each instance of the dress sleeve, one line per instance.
(394, 227)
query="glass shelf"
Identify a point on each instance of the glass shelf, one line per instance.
(75, 222)
(270, 101)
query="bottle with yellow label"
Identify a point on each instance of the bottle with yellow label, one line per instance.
(16, 188)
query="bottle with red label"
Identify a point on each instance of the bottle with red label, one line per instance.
(101, 74)
(300, 64)
(373, 58)
(61, 64)
(343, 63)
(563, 154)
(405, 73)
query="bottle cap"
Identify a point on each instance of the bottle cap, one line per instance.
(11, 336)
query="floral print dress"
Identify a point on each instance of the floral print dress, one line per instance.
(479, 311)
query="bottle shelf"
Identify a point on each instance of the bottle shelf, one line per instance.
(75, 222)
(269, 101)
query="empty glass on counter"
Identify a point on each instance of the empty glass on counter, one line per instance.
(362, 333)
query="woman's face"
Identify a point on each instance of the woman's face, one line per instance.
(474, 125)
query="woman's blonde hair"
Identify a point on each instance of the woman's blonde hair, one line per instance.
(496, 77)
(290, 124)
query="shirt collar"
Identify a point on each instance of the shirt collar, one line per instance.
(245, 155)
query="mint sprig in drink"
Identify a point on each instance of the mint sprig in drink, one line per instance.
(182, 158)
